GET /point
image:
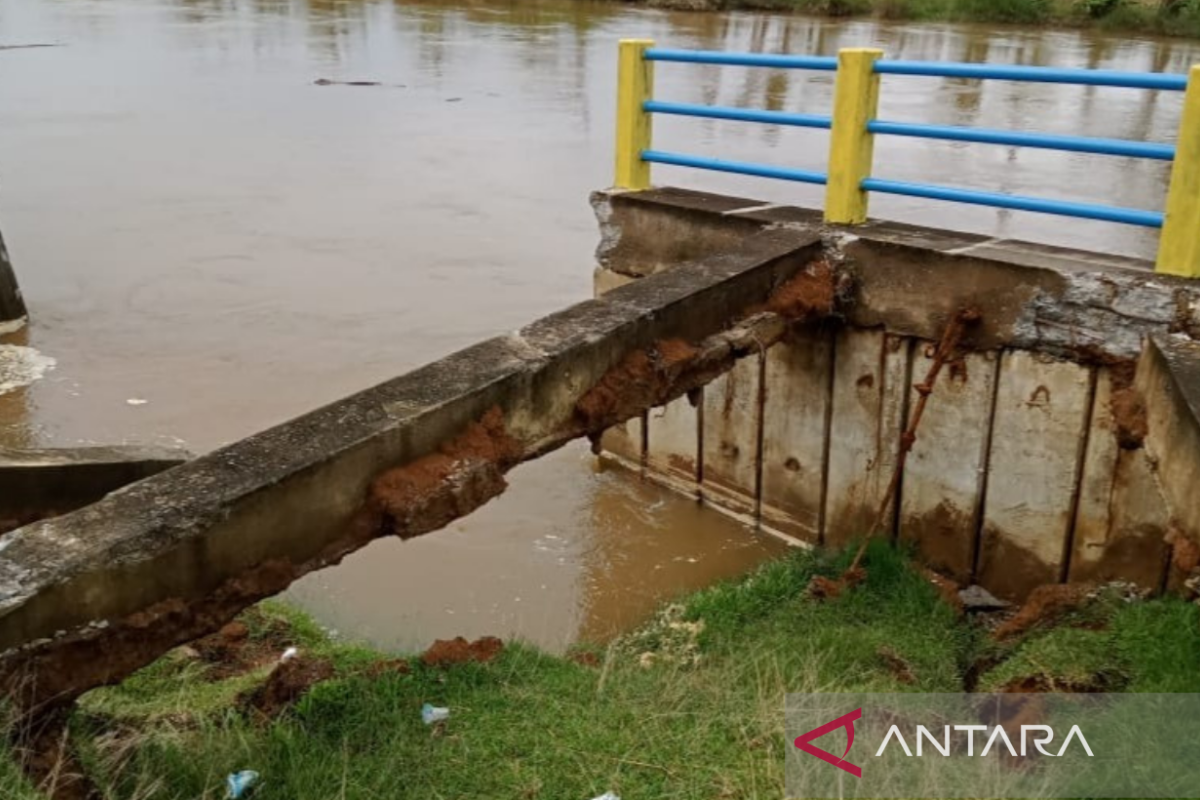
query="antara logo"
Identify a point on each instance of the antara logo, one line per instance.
(998, 734)
(845, 721)
(1037, 735)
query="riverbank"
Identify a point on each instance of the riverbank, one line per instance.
(689, 706)
(1180, 18)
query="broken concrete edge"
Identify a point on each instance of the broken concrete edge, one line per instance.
(38, 483)
(89, 597)
(1086, 307)
(1168, 379)
(12, 304)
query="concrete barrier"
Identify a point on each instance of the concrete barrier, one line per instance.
(1029, 465)
(88, 597)
(12, 305)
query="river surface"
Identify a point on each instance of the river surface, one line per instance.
(211, 243)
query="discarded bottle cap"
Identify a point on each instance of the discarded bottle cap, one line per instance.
(431, 714)
(239, 783)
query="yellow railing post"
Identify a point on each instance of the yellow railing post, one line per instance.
(1179, 246)
(851, 146)
(635, 85)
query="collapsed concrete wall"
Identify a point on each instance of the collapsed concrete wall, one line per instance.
(12, 305)
(1029, 467)
(88, 597)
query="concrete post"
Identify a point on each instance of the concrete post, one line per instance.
(12, 306)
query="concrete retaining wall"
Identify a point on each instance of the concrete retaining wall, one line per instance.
(1029, 465)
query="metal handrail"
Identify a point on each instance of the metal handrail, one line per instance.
(853, 125)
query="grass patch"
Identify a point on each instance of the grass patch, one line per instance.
(690, 706)
(1151, 646)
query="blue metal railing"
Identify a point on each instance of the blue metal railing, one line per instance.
(739, 114)
(1129, 216)
(1078, 77)
(739, 167)
(818, 63)
(1076, 144)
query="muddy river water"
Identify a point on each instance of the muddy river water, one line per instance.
(203, 230)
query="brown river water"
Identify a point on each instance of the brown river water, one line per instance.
(203, 230)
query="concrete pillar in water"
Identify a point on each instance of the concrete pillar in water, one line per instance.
(12, 306)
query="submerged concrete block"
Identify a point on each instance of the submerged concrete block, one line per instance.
(1042, 411)
(870, 388)
(731, 420)
(796, 412)
(12, 305)
(1122, 519)
(48, 482)
(942, 493)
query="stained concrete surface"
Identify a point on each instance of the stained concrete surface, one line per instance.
(1025, 470)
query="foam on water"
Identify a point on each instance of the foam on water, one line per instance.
(21, 366)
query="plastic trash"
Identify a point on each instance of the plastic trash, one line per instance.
(289, 654)
(239, 783)
(431, 714)
(607, 796)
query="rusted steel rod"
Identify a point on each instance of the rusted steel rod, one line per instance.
(951, 338)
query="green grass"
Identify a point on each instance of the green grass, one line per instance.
(703, 720)
(1180, 18)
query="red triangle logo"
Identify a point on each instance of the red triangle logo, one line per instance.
(845, 721)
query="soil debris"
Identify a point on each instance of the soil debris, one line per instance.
(286, 684)
(653, 376)
(822, 588)
(1129, 414)
(447, 652)
(643, 379)
(1185, 554)
(1045, 606)
(437, 489)
(232, 651)
(395, 666)
(897, 665)
(946, 587)
(809, 294)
